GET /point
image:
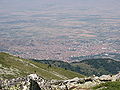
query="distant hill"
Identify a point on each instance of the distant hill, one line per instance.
(98, 66)
(88, 67)
(12, 66)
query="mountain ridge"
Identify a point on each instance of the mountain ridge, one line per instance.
(88, 67)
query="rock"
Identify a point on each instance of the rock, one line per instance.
(34, 85)
(56, 82)
(33, 76)
(88, 79)
(63, 87)
(116, 77)
(25, 88)
(75, 80)
(34, 82)
(96, 79)
(88, 84)
(105, 78)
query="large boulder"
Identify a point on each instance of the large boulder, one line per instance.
(34, 85)
(105, 78)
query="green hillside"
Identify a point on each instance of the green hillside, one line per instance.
(12, 66)
(88, 67)
(108, 86)
(98, 66)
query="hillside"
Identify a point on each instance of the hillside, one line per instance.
(98, 66)
(12, 67)
(88, 67)
(108, 86)
(21, 69)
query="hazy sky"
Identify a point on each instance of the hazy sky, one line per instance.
(19, 5)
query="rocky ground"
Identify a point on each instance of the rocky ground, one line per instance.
(35, 82)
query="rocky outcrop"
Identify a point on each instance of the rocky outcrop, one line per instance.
(34, 85)
(35, 82)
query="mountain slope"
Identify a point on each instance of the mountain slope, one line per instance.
(108, 86)
(88, 67)
(98, 66)
(12, 66)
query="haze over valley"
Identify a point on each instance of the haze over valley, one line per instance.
(59, 29)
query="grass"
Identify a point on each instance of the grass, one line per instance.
(108, 86)
(23, 67)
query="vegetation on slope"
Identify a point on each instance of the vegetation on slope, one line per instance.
(98, 66)
(108, 86)
(88, 67)
(12, 66)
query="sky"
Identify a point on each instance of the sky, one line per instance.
(39, 4)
